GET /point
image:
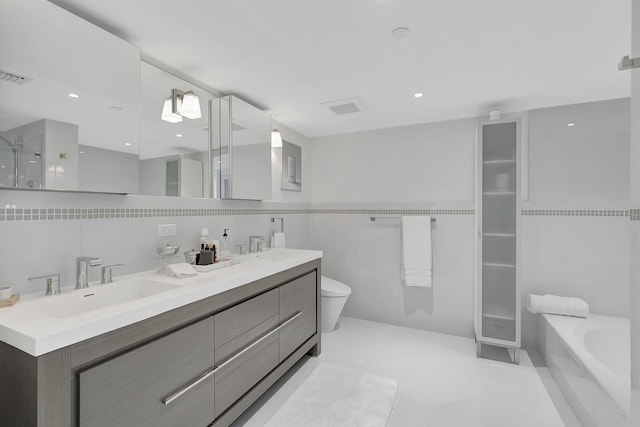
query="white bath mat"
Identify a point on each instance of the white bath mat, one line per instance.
(335, 395)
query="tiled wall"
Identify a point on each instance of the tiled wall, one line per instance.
(575, 222)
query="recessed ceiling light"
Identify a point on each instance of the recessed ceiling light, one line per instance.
(400, 33)
(32, 161)
(418, 95)
(2, 166)
(82, 152)
(73, 95)
(127, 144)
(571, 124)
(179, 135)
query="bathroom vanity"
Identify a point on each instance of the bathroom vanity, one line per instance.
(198, 352)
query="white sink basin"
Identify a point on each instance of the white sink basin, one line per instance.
(97, 297)
(266, 255)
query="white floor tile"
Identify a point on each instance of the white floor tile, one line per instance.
(441, 382)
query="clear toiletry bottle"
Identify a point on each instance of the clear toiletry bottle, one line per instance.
(225, 245)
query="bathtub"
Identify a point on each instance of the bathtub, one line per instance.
(590, 361)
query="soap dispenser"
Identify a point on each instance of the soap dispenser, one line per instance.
(225, 245)
(204, 238)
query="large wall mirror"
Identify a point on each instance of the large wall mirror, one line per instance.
(79, 111)
(174, 147)
(69, 102)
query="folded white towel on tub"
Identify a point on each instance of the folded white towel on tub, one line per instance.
(553, 304)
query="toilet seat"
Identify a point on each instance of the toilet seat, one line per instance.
(332, 288)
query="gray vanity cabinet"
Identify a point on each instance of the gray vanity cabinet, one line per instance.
(297, 296)
(197, 365)
(129, 390)
(246, 347)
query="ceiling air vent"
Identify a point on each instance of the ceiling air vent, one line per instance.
(12, 77)
(345, 106)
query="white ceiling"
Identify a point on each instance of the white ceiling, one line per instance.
(467, 56)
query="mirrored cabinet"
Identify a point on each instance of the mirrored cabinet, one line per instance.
(241, 150)
(80, 111)
(497, 291)
(174, 147)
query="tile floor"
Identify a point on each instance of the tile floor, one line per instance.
(441, 382)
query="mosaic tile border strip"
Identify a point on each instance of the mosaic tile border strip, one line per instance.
(396, 212)
(576, 212)
(58, 214)
(115, 213)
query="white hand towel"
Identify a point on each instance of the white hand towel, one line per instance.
(553, 304)
(277, 240)
(180, 270)
(416, 268)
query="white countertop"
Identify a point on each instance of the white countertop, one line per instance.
(32, 331)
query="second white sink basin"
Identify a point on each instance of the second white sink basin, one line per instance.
(97, 297)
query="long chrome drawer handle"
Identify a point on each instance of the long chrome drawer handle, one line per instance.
(173, 396)
(259, 340)
(209, 372)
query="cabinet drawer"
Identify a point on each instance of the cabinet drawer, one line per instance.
(235, 379)
(239, 325)
(299, 295)
(129, 390)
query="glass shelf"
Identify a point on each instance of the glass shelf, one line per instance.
(498, 193)
(500, 162)
(497, 265)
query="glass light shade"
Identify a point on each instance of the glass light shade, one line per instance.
(276, 139)
(167, 115)
(190, 106)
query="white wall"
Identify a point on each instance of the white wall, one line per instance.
(412, 164)
(432, 167)
(579, 167)
(32, 248)
(415, 167)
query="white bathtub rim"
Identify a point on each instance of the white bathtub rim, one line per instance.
(616, 387)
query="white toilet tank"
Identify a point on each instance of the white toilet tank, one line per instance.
(334, 296)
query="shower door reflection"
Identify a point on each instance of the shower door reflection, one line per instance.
(20, 160)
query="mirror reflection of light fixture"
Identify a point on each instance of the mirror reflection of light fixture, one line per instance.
(168, 115)
(276, 139)
(181, 104)
(190, 106)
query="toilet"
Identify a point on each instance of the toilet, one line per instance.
(334, 296)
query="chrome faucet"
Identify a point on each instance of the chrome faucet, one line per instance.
(255, 244)
(53, 283)
(106, 276)
(82, 270)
